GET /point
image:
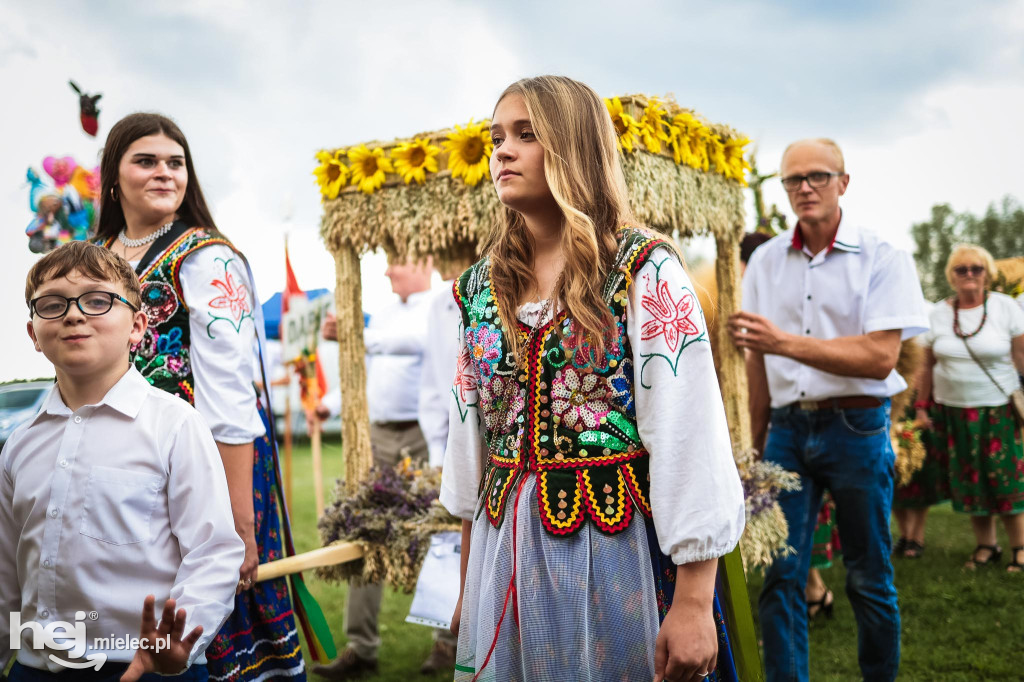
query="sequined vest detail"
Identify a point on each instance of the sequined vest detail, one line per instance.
(571, 421)
(163, 354)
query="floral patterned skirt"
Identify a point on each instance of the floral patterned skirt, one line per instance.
(587, 607)
(930, 484)
(826, 535)
(259, 640)
(986, 459)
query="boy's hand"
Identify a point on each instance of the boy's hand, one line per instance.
(174, 651)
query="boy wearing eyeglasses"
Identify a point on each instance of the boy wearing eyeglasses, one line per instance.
(113, 498)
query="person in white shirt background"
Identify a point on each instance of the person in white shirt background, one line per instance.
(825, 307)
(975, 350)
(113, 496)
(396, 340)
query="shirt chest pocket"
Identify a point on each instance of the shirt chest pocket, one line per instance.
(119, 505)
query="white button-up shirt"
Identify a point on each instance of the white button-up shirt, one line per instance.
(858, 285)
(439, 358)
(105, 505)
(395, 341)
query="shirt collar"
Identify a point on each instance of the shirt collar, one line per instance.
(846, 237)
(126, 396)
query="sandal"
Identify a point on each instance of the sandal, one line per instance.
(913, 550)
(1015, 566)
(900, 547)
(995, 554)
(824, 605)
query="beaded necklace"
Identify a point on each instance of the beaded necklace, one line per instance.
(956, 318)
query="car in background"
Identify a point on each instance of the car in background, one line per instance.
(18, 403)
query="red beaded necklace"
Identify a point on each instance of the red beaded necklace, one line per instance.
(956, 318)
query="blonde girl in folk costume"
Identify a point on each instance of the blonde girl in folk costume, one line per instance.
(201, 345)
(588, 455)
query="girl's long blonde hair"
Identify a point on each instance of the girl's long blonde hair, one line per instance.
(583, 172)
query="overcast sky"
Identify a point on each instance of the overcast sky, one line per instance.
(924, 97)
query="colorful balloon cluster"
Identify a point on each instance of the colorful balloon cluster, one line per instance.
(65, 210)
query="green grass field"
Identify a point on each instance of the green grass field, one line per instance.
(956, 625)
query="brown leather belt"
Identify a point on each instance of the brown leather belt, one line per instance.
(843, 403)
(397, 426)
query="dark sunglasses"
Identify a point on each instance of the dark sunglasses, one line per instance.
(974, 270)
(54, 306)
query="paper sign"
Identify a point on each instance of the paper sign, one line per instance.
(437, 588)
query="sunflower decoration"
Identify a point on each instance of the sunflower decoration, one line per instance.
(369, 168)
(469, 151)
(413, 160)
(331, 174)
(627, 129)
(736, 163)
(653, 126)
(716, 154)
(684, 132)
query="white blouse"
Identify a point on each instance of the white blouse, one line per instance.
(696, 494)
(957, 379)
(222, 301)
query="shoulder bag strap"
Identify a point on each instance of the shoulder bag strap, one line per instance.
(983, 368)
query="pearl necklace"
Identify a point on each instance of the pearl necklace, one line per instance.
(133, 243)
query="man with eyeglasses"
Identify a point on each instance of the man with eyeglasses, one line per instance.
(825, 307)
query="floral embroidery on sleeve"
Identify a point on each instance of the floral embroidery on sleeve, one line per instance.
(676, 322)
(234, 299)
(465, 384)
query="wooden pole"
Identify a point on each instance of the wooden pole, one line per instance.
(318, 469)
(355, 414)
(732, 368)
(288, 442)
(325, 556)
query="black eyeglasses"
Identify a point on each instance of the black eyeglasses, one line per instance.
(54, 306)
(975, 270)
(817, 179)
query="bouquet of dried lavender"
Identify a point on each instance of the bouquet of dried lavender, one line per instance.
(392, 517)
(766, 531)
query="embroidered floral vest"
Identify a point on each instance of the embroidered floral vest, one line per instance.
(163, 354)
(572, 424)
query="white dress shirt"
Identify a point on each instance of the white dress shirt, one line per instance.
(395, 340)
(858, 285)
(696, 494)
(440, 355)
(958, 381)
(107, 504)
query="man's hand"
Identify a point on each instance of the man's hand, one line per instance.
(168, 661)
(687, 646)
(321, 413)
(757, 333)
(329, 328)
(922, 420)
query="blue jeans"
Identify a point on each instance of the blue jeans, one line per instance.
(848, 452)
(107, 673)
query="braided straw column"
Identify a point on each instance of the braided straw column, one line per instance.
(355, 414)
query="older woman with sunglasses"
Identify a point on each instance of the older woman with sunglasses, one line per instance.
(976, 339)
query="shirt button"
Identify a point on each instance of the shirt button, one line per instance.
(802, 393)
(78, 420)
(808, 331)
(44, 613)
(53, 513)
(64, 463)
(808, 297)
(46, 563)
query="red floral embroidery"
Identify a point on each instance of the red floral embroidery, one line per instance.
(464, 379)
(235, 298)
(671, 318)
